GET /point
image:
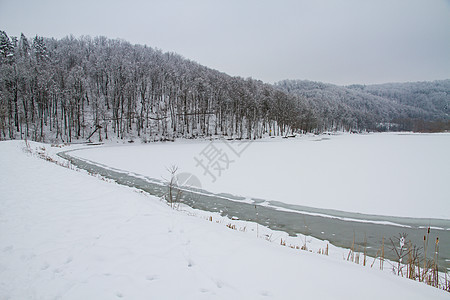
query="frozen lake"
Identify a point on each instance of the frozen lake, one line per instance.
(337, 226)
(391, 174)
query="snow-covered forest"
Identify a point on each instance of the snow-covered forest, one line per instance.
(418, 106)
(99, 88)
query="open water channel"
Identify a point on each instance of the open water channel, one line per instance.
(339, 228)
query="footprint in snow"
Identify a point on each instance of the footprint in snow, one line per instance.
(8, 248)
(151, 277)
(190, 263)
(219, 284)
(119, 295)
(45, 267)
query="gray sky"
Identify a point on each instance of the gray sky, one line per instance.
(341, 42)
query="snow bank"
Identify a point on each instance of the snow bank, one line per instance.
(67, 235)
(384, 174)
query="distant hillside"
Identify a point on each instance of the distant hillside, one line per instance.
(433, 97)
(421, 106)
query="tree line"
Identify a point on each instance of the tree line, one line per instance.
(67, 89)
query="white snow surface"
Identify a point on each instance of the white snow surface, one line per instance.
(393, 174)
(67, 235)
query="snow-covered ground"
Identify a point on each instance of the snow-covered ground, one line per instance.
(385, 174)
(68, 235)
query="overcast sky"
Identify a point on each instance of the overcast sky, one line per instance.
(341, 42)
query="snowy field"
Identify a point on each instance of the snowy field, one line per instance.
(67, 235)
(384, 174)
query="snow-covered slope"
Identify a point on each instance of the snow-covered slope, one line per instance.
(67, 235)
(386, 174)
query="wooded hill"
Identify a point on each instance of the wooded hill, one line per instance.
(418, 106)
(64, 90)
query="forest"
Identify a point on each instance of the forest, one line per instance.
(78, 89)
(418, 106)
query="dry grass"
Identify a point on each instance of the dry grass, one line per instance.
(411, 261)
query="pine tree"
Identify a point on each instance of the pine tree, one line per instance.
(24, 46)
(6, 48)
(40, 49)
